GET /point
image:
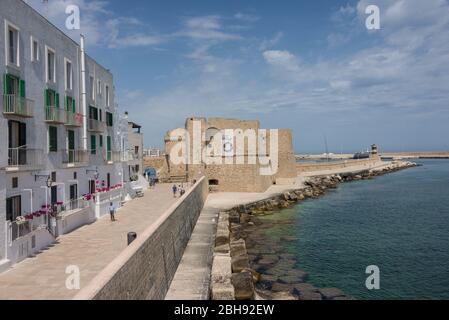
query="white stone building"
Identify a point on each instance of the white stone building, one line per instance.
(60, 163)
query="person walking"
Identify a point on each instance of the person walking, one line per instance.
(112, 211)
(174, 188)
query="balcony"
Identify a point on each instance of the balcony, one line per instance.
(24, 158)
(74, 119)
(75, 157)
(112, 156)
(132, 156)
(17, 106)
(55, 115)
(96, 125)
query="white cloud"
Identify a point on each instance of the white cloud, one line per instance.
(270, 43)
(283, 59)
(206, 28)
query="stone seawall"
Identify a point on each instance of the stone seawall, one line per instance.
(320, 166)
(247, 268)
(145, 269)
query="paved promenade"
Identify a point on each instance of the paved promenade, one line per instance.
(90, 248)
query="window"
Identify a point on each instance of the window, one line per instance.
(93, 144)
(99, 87)
(12, 48)
(52, 139)
(34, 50)
(92, 88)
(75, 176)
(107, 96)
(70, 104)
(93, 113)
(109, 119)
(53, 176)
(68, 75)
(51, 98)
(13, 208)
(51, 65)
(15, 182)
(101, 141)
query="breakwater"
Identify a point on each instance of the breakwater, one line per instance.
(245, 267)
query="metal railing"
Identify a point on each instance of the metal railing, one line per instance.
(74, 119)
(112, 156)
(55, 115)
(75, 156)
(19, 229)
(24, 157)
(133, 156)
(72, 205)
(96, 125)
(18, 106)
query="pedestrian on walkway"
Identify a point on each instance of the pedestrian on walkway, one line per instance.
(175, 189)
(112, 211)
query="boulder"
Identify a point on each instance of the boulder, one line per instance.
(243, 285)
(283, 296)
(224, 248)
(254, 273)
(238, 247)
(245, 218)
(222, 236)
(267, 260)
(309, 295)
(282, 287)
(240, 263)
(304, 287)
(331, 293)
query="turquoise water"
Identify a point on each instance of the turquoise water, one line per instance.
(399, 222)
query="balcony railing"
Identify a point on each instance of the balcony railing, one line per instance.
(72, 205)
(74, 119)
(24, 157)
(55, 115)
(75, 156)
(112, 156)
(133, 156)
(17, 106)
(96, 125)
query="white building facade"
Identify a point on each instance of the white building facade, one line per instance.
(60, 159)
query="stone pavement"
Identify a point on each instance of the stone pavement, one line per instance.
(192, 278)
(90, 247)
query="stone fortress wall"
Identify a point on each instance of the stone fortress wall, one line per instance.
(222, 174)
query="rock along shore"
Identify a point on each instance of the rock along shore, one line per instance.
(247, 269)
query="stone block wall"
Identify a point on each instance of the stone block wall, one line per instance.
(146, 268)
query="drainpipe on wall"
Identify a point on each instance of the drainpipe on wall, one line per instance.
(83, 92)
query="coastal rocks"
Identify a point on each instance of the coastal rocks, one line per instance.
(283, 296)
(243, 285)
(331, 293)
(239, 263)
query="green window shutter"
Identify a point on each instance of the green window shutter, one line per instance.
(53, 139)
(93, 144)
(109, 143)
(47, 97)
(67, 103)
(73, 106)
(22, 91)
(57, 100)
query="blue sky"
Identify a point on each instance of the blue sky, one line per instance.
(311, 66)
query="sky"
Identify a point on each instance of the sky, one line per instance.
(311, 66)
